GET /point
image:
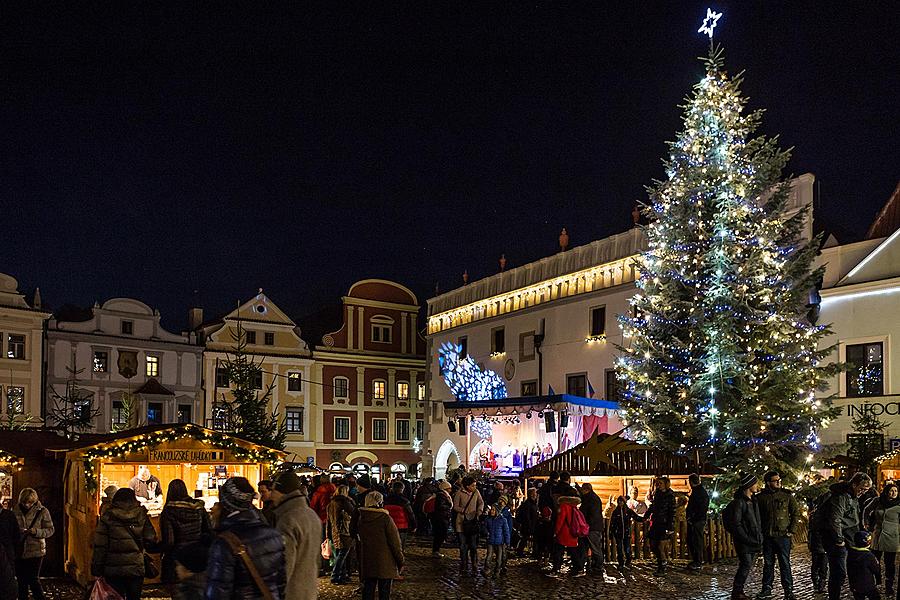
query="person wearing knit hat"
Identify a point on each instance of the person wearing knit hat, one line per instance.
(236, 495)
(302, 531)
(863, 568)
(742, 520)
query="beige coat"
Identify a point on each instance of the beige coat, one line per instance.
(35, 544)
(301, 529)
(472, 509)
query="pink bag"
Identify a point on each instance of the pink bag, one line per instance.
(326, 550)
(103, 591)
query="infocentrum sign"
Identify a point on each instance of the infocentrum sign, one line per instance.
(885, 408)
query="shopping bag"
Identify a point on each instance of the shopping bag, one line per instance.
(103, 591)
(326, 549)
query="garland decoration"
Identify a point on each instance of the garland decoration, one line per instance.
(151, 440)
(9, 463)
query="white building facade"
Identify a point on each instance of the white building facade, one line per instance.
(123, 349)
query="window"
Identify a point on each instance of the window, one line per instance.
(420, 429)
(220, 416)
(402, 391)
(127, 327)
(154, 413)
(529, 388)
(101, 361)
(152, 366)
(184, 413)
(295, 383)
(381, 333)
(463, 344)
(221, 377)
(598, 321)
(293, 419)
(15, 400)
(498, 340)
(379, 430)
(342, 428)
(612, 385)
(269, 338)
(866, 374)
(257, 379)
(251, 337)
(118, 414)
(526, 346)
(379, 389)
(576, 385)
(16, 347)
(341, 387)
(83, 408)
(402, 430)
(421, 390)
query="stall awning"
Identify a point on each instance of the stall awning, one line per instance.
(575, 405)
(612, 454)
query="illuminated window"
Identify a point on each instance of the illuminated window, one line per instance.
(16, 346)
(866, 374)
(293, 419)
(379, 388)
(529, 388)
(101, 361)
(184, 413)
(152, 366)
(379, 430)
(341, 387)
(154, 413)
(15, 400)
(598, 321)
(269, 338)
(402, 430)
(220, 418)
(402, 391)
(127, 327)
(342, 428)
(421, 390)
(381, 333)
(295, 383)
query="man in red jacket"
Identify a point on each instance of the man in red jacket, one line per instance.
(401, 511)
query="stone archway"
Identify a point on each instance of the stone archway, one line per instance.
(447, 459)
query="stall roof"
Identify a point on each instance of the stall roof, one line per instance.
(523, 404)
(612, 454)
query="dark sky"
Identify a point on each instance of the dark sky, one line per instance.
(187, 156)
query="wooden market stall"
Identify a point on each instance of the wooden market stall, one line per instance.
(201, 457)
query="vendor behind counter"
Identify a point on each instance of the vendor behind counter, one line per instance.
(145, 485)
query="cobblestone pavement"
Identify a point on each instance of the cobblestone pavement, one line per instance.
(427, 577)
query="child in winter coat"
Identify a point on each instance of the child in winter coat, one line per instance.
(506, 513)
(498, 538)
(620, 521)
(863, 569)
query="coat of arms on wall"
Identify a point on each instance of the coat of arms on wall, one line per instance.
(128, 363)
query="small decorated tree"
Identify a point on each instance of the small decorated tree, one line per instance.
(75, 409)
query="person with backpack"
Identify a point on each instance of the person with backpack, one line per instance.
(592, 509)
(498, 538)
(779, 512)
(662, 522)
(246, 559)
(424, 493)
(401, 511)
(882, 518)
(36, 526)
(837, 521)
(741, 519)
(440, 514)
(570, 527)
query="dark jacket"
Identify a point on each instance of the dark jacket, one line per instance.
(123, 533)
(380, 553)
(661, 514)
(10, 547)
(779, 512)
(443, 507)
(181, 522)
(401, 512)
(863, 570)
(698, 505)
(545, 496)
(745, 524)
(527, 517)
(592, 509)
(837, 517)
(226, 576)
(340, 511)
(620, 521)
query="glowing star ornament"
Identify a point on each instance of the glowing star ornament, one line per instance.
(709, 23)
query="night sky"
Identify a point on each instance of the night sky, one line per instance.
(188, 156)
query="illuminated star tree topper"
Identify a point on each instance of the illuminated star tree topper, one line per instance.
(709, 23)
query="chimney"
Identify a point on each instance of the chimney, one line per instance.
(195, 318)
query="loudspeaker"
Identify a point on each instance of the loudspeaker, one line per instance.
(549, 421)
(462, 425)
(563, 420)
(451, 425)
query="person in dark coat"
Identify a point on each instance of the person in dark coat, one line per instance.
(380, 554)
(817, 555)
(863, 569)
(662, 522)
(526, 519)
(401, 511)
(696, 514)
(779, 513)
(10, 548)
(592, 508)
(545, 493)
(227, 578)
(620, 521)
(746, 531)
(440, 517)
(426, 490)
(183, 521)
(123, 533)
(265, 498)
(190, 566)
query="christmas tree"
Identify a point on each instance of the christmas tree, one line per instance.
(248, 408)
(720, 359)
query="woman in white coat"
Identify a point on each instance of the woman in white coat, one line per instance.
(883, 519)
